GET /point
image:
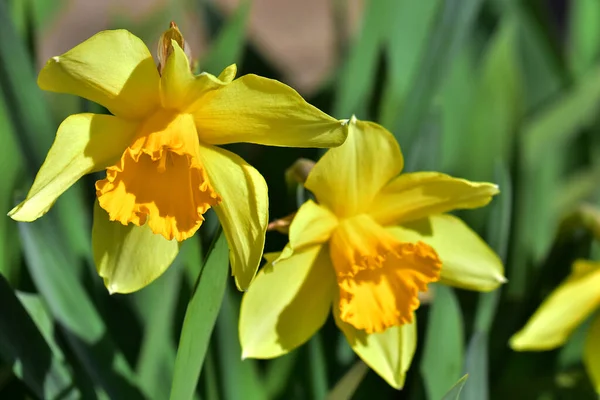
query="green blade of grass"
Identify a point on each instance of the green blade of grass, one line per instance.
(451, 26)
(496, 109)
(584, 35)
(71, 306)
(11, 165)
(239, 378)
(542, 76)
(405, 43)
(228, 47)
(23, 346)
(31, 119)
(317, 367)
(357, 78)
(455, 391)
(477, 355)
(156, 306)
(443, 353)
(278, 374)
(558, 124)
(456, 101)
(200, 317)
(347, 385)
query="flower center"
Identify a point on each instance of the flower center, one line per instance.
(379, 277)
(160, 180)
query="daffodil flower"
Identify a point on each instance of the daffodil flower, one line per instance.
(568, 306)
(369, 244)
(159, 149)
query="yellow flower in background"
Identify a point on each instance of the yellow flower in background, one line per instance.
(373, 240)
(568, 306)
(159, 149)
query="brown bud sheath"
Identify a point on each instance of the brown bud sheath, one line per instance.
(165, 47)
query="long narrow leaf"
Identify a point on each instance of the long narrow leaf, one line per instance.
(227, 48)
(199, 321)
(240, 380)
(23, 346)
(443, 353)
(345, 388)
(454, 392)
(477, 355)
(453, 23)
(73, 309)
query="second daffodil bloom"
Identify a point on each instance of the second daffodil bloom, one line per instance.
(159, 149)
(369, 244)
(568, 306)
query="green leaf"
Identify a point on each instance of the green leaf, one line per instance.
(278, 374)
(317, 367)
(11, 165)
(23, 346)
(454, 392)
(557, 125)
(450, 28)
(477, 354)
(228, 47)
(497, 107)
(345, 388)
(584, 35)
(156, 305)
(70, 305)
(542, 75)
(443, 352)
(357, 78)
(591, 352)
(571, 353)
(240, 379)
(32, 121)
(209, 369)
(200, 317)
(405, 44)
(456, 101)
(39, 313)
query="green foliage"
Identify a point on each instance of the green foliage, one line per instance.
(501, 91)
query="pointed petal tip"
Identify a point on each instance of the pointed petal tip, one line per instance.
(15, 215)
(111, 288)
(515, 343)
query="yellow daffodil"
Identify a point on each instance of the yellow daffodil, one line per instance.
(159, 149)
(373, 240)
(569, 305)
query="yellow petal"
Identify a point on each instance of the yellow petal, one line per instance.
(416, 195)
(571, 303)
(180, 89)
(467, 261)
(84, 143)
(160, 179)
(312, 224)
(112, 68)
(347, 179)
(379, 277)
(228, 74)
(591, 353)
(286, 304)
(388, 353)
(259, 110)
(243, 212)
(129, 257)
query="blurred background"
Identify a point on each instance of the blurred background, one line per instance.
(504, 91)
